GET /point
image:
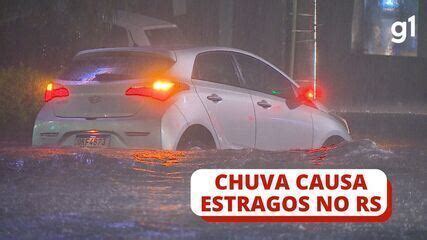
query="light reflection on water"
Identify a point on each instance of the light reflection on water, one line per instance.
(112, 193)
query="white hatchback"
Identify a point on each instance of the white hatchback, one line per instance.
(179, 99)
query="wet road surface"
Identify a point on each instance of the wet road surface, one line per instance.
(121, 194)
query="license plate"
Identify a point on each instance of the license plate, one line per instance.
(92, 141)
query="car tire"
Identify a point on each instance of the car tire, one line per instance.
(196, 138)
(333, 141)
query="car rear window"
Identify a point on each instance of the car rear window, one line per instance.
(100, 67)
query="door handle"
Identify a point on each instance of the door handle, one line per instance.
(264, 104)
(214, 98)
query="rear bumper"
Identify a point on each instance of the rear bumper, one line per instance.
(130, 132)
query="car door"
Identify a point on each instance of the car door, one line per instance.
(278, 126)
(229, 107)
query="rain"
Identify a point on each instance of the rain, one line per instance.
(357, 72)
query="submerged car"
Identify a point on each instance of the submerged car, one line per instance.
(180, 99)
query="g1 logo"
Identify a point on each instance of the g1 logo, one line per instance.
(400, 37)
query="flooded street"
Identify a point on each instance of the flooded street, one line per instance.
(122, 194)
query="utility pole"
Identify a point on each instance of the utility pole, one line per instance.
(293, 37)
(315, 52)
(311, 40)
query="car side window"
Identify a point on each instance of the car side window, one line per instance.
(215, 67)
(261, 77)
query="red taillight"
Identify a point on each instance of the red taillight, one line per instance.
(160, 89)
(53, 91)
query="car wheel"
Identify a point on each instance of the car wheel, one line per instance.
(194, 145)
(333, 141)
(196, 138)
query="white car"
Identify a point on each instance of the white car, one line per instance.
(180, 99)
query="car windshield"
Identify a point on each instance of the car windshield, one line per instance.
(110, 67)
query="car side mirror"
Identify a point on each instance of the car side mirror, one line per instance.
(293, 103)
(291, 99)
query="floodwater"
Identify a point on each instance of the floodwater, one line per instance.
(121, 194)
